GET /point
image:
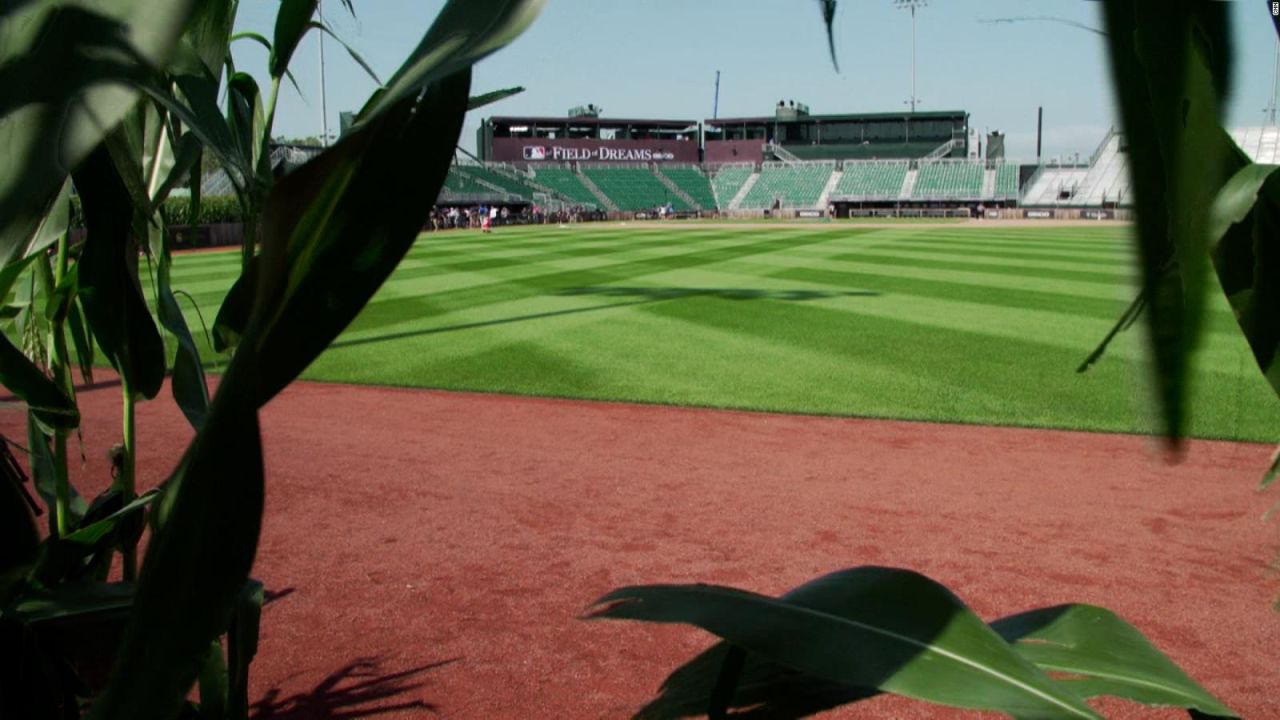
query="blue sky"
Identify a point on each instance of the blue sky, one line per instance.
(658, 59)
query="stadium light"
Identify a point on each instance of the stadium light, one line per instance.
(912, 5)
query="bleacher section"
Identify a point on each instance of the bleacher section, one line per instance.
(565, 182)
(961, 181)
(797, 186)
(633, 189)
(693, 183)
(461, 182)
(1260, 143)
(871, 180)
(506, 181)
(728, 181)
(1006, 181)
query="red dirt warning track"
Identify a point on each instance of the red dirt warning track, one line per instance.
(429, 552)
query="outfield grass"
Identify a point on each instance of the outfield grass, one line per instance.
(932, 323)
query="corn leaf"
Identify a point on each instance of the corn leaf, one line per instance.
(110, 293)
(1098, 654)
(1246, 255)
(68, 74)
(45, 399)
(1171, 68)
(892, 630)
(292, 22)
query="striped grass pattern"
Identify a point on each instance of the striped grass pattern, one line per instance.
(941, 323)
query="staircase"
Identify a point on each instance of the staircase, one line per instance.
(908, 185)
(675, 190)
(989, 184)
(783, 155)
(832, 183)
(595, 190)
(742, 192)
(941, 151)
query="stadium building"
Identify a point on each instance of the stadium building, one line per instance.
(791, 164)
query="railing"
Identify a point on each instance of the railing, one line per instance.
(1102, 147)
(786, 156)
(941, 151)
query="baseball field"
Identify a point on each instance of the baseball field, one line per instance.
(957, 323)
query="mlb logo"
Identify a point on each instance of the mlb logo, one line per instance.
(535, 153)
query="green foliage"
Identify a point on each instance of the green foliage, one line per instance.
(213, 210)
(1170, 69)
(880, 629)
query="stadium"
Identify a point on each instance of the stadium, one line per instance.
(792, 165)
(492, 404)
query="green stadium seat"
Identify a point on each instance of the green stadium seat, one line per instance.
(871, 180)
(728, 181)
(1007, 181)
(634, 188)
(693, 183)
(950, 180)
(567, 183)
(798, 186)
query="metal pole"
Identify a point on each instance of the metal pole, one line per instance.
(715, 110)
(913, 59)
(1275, 84)
(324, 100)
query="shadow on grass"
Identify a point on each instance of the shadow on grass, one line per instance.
(646, 295)
(678, 293)
(357, 690)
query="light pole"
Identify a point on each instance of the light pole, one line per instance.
(324, 98)
(912, 5)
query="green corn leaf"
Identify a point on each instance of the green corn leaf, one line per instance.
(45, 399)
(242, 646)
(292, 22)
(110, 293)
(209, 31)
(364, 65)
(489, 98)
(829, 19)
(1246, 255)
(189, 385)
(73, 556)
(255, 37)
(80, 341)
(67, 76)
(75, 603)
(1101, 654)
(464, 32)
(19, 536)
(1170, 69)
(333, 232)
(213, 684)
(246, 121)
(893, 630)
(196, 563)
(233, 315)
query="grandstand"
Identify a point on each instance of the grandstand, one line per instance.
(634, 188)
(728, 182)
(949, 180)
(1006, 181)
(566, 182)
(794, 185)
(690, 180)
(871, 180)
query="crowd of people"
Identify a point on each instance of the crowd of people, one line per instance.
(485, 217)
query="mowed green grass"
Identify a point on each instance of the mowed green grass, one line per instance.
(943, 323)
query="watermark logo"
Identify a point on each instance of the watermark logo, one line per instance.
(1275, 9)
